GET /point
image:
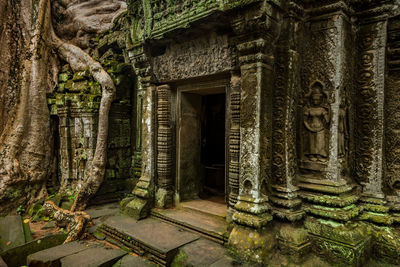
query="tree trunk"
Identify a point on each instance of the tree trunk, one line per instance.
(26, 142)
(30, 50)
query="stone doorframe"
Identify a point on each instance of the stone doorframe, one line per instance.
(201, 88)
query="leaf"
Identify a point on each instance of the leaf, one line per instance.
(26, 220)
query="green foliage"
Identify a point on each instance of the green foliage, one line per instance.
(21, 210)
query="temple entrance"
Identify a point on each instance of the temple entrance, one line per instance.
(201, 145)
(213, 147)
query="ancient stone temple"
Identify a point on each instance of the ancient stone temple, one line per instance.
(283, 116)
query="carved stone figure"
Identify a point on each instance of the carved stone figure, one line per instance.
(316, 120)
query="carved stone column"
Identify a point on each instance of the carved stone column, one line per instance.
(378, 128)
(324, 151)
(252, 209)
(286, 205)
(165, 192)
(137, 154)
(140, 204)
(256, 32)
(325, 154)
(392, 119)
(370, 115)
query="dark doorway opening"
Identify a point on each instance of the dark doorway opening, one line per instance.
(213, 147)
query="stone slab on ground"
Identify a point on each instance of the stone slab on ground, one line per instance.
(206, 207)
(149, 236)
(11, 232)
(131, 260)
(207, 225)
(17, 256)
(93, 257)
(203, 252)
(158, 235)
(55, 254)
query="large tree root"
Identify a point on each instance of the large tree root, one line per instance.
(75, 221)
(94, 174)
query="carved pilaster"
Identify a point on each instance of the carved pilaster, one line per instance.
(256, 31)
(286, 204)
(325, 110)
(234, 141)
(164, 195)
(251, 214)
(140, 204)
(392, 119)
(323, 113)
(370, 117)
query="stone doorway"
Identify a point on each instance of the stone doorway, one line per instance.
(201, 147)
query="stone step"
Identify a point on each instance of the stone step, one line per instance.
(151, 238)
(12, 233)
(208, 226)
(17, 256)
(202, 252)
(131, 260)
(94, 257)
(206, 207)
(78, 253)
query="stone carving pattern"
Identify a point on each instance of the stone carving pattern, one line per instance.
(284, 134)
(316, 119)
(369, 114)
(201, 56)
(392, 113)
(169, 13)
(318, 67)
(234, 144)
(164, 137)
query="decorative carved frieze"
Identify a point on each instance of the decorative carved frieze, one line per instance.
(195, 57)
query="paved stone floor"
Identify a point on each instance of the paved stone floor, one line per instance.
(186, 248)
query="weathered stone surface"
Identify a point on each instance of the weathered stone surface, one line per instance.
(347, 244)
(149, 236)
(11, 232)
(206, 207)
(53, 256)
(312, 126)
(201, 56)
(101, 211)
(201, 252)
(211, 227)
(251, 245)
(18, 256)
(130, 260)
(93, 257)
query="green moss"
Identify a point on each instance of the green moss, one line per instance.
(180, 259)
